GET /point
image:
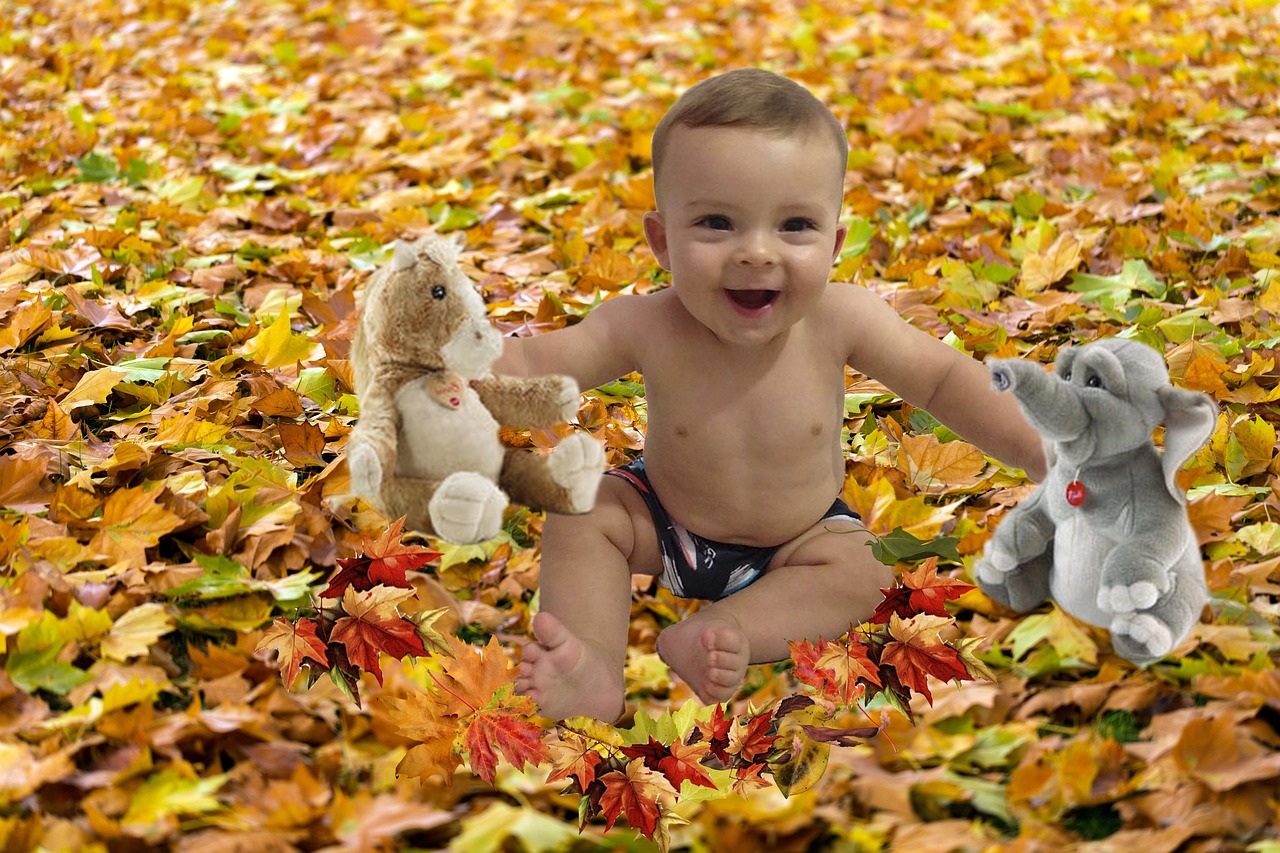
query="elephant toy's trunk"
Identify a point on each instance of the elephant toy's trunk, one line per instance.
(1049, 403)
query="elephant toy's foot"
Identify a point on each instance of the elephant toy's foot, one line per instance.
(577, 465)
(1021, 588)
(365, 469)
(1141, 638)
(1128, 598)
(467, 508)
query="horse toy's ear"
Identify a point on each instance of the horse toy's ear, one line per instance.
(1189, 420)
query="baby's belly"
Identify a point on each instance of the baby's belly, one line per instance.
(728, 501)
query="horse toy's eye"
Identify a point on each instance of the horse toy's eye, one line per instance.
(438, 292)
(1094, 382)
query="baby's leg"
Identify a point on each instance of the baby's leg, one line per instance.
(575, 667)
(816, 586)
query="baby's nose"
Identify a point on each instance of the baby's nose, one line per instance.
(757, 250)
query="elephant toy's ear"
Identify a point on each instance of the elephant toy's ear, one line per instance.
(1189, 420)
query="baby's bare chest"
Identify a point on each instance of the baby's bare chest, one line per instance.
(793, 402)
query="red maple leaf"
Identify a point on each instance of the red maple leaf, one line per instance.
(634, 793)
(922, 591)
(480, 683)
(837, 669)
(718, 737)
(294, 642)
(677, 762)
(384, 562)
(751, 740)
(373, 625)
(577, 757)
(917, 651)
(519, 741)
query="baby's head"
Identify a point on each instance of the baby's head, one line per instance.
(755, 99)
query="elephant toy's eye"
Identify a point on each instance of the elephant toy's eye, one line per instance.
(438, 292)
(1094, 382)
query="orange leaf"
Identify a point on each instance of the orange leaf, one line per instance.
(519, 741)
(373, 625)
(918, 651)
(132, 521)
(303, 444)
(575, 756)
(634, 794)
(383, 562)
(294, 643)
(935, 467)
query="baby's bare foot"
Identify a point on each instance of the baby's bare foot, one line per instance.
(567, 677)
(709, 653)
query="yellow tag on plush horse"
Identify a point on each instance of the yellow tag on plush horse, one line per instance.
(426, 445)
(1106, 534)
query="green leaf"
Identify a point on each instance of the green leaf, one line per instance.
(96, 168)
(40, 670)
(861, 232)
(169, 793)
(901, 546)
(1028, 204)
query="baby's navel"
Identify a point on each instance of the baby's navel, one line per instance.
(682, 432)
(816, 429)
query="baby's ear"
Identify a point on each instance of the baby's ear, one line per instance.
(655, 231)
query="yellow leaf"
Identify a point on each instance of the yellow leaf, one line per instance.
(93, 388)
(1041, 269)
(23, 324)
(938, 468)
(277, 345)
(135, 631)
(882, 511)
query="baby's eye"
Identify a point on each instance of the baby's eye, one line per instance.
(799, 223)
(716, 222)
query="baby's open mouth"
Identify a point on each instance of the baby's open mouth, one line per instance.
(753, 298)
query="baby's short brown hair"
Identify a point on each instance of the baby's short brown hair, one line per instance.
(753, 98)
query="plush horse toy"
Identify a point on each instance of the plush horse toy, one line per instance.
(426, 444)
(1106, 534)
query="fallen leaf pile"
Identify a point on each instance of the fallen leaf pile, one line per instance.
(192, 196)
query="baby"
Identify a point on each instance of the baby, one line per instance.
(735, 500)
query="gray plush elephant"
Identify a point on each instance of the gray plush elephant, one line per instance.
(1106, 534)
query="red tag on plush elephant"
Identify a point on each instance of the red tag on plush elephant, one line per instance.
(1075, 493)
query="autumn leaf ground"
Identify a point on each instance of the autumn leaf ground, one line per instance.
(192, 196)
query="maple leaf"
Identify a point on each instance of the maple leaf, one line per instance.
(751, 740)
(479, 683)
(678, 761)
(836, 669)
(384, 561)
(634, 793)
(373, 625)
(294, 642)
(573, 755)
(519, 741)
(420, 716)
(918, 651)
(717, 737)
(922, 591)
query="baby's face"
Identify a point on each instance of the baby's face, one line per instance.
(748, 224)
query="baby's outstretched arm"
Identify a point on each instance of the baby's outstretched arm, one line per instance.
(927, 373)
(594, 351)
